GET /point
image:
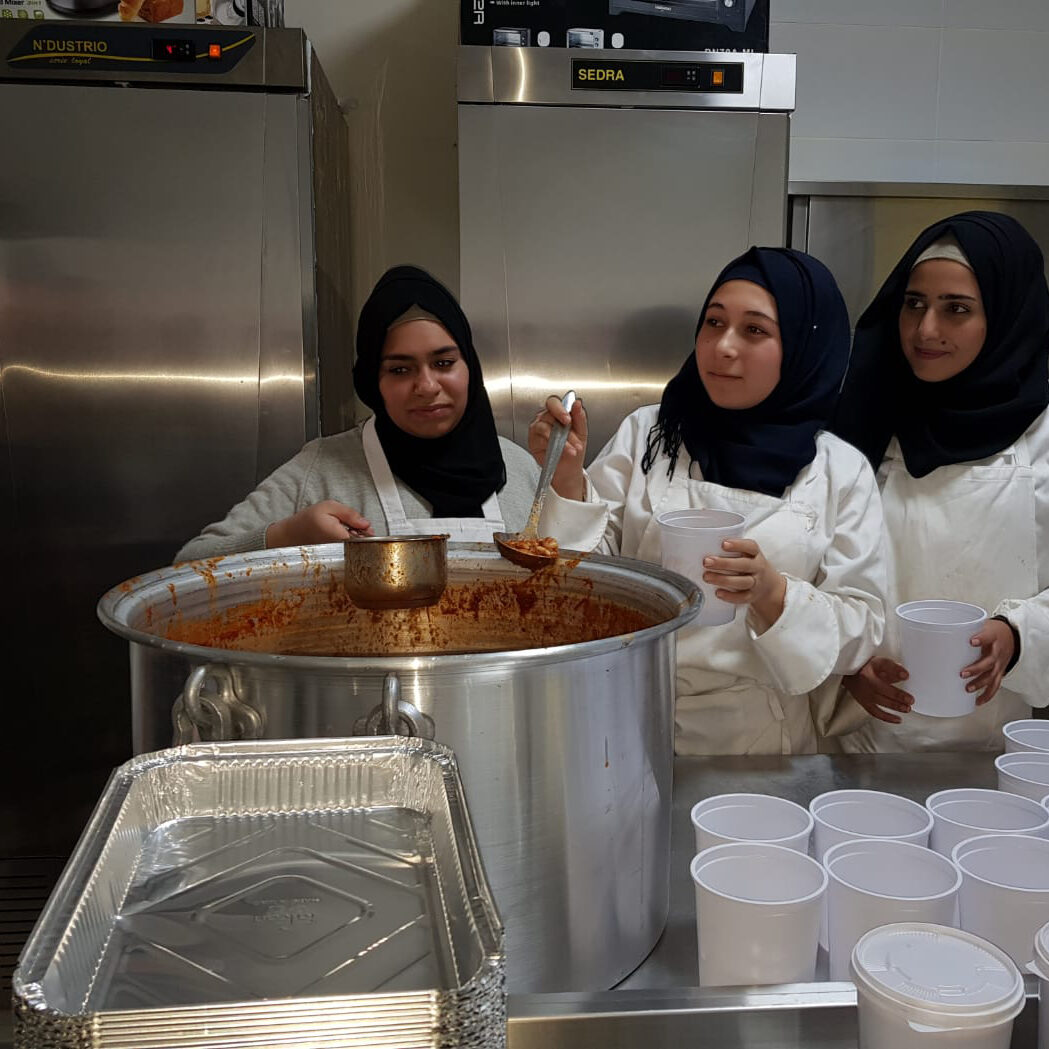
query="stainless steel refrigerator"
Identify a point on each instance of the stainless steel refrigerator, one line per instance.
(600, 193)
(174, 324)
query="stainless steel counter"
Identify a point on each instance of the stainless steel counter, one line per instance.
(660, 1005)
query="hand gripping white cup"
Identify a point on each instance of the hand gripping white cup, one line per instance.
(1005, 890)
(935, 647)
(845, 815)
(968, 812)
(1040, 967)
(688, 536)
(757, 914)
(1025, 773)
(877, 882)
(924, 986)
(1030, 734)
(751, 817)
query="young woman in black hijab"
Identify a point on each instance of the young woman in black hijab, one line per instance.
(429, 460)
(946, 395)
(740, 428)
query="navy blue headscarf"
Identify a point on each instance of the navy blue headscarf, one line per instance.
(763, 448)
(982, 409)
(455, 473)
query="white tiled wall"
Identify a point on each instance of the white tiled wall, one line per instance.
(918, 90)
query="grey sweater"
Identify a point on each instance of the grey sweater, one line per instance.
(335, 468)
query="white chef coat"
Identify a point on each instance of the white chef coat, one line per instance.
(742, 689)
(976, 532)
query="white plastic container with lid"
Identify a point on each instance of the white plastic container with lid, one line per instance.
(968, 812)
(757, 914)
(752, 817)
(876, 882)
(1030, 734)
(920, 986)
(1005, 890)
(1040, 967)
(1025, 773)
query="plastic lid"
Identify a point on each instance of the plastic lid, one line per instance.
(938, 977)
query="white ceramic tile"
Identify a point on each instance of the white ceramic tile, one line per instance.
(994, 86)
(993, 163)
(860, 160)
(860, 12)
(862, 81)
(992, 14)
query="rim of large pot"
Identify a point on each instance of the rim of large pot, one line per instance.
(116, 606)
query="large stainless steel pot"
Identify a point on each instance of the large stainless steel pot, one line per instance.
(566, 751)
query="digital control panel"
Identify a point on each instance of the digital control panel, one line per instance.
(612, 75)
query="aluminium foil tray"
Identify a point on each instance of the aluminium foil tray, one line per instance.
(302, 893)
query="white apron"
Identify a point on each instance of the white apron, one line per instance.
(962, 533)
(459, 529)
(727, 702)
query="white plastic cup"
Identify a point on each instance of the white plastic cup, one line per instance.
(965, 813)
(1025, 773)
(1030, 734)
(880, 882)
(688, 536)
(1040, 968)
(845, 815)
(728, 818)
(935, 644)
(924, 986)
(1005, 890)
(757, 914)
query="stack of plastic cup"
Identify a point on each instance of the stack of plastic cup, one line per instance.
(752, 817)
(929, 987)
(1031, 734)
(935, 643)
(880, 882)
(1005, 890)
(687, 537)
(966, 813)
(845, 815)
(1025, 773)
(757, 914)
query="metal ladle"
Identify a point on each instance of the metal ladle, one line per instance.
(554, 449)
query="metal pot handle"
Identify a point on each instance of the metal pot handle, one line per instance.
(395, 716)
(220, 716)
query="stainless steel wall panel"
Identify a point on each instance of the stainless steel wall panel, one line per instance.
(287, 410)
(862, 237)
(130, 354)
(591, 236)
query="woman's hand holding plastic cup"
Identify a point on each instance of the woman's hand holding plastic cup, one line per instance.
(997, 645)
(747, 579)
(873, 687)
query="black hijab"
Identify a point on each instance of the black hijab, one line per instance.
(763, 448)
(455, 473)
(982, 409)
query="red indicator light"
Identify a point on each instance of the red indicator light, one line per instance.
(214, 50)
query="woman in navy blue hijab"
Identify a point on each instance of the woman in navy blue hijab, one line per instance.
(740, 428)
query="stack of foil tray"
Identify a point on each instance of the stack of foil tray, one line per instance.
(323, 893)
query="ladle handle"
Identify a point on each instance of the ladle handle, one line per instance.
(554, 451)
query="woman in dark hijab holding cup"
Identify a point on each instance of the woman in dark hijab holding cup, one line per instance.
(946, 395)
(741, 429)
